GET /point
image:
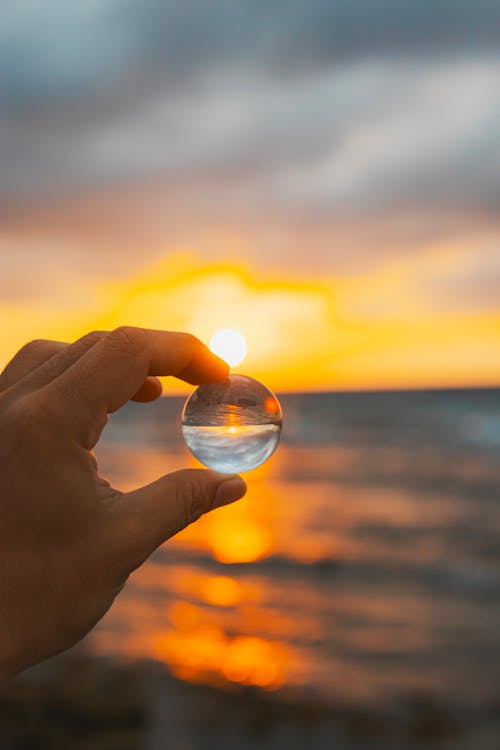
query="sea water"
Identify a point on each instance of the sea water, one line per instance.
(364, 568)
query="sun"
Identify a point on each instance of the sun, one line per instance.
(230, 345)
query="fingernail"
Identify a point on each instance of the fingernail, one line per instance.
(229, 490)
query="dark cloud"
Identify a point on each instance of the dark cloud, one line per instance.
(354, 139)
(318, 108)
(50, 50)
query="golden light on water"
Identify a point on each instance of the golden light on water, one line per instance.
(229, 344)
(237, 539)
(222, 591)
(206, 653)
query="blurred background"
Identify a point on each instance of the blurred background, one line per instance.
(323, 177)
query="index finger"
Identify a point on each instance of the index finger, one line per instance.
(112, 371)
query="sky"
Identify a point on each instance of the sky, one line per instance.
(323, 175)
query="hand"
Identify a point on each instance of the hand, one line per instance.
(68, 540)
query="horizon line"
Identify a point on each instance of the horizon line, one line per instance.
(373, 390)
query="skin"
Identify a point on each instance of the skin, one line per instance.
(68, 540)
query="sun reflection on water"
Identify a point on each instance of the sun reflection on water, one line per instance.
(297, 585)
(240, 533)
(237, 540)
(216, 626)
(198, 648)
(222, 591)
(202, 652)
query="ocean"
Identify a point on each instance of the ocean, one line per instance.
(363, 566)
(351, 600)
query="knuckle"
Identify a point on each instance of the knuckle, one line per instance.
(91, 338)
(133, 340)
(193, 343)
(33, 347)
(191, 338)
(36, 344)
(33, 350)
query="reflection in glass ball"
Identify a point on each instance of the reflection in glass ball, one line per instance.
(232, 426)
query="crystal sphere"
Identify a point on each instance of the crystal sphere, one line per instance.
(232, 426)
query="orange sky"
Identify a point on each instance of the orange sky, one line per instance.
(378, 329)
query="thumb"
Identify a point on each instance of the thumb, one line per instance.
(150, 515)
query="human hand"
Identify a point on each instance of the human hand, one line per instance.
(68, 540)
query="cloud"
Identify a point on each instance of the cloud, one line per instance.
(305, 132)
(441, 282)
(50, 49)
(421, 134)
(353, 139)
(314, 107)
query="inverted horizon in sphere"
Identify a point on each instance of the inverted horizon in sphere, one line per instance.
(230, 345)
(232, 426)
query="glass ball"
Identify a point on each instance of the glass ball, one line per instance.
(232, 426)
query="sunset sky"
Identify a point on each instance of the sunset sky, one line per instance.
(324, 176)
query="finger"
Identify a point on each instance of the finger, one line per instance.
(27, 359)
(150, 390)
(150, 515)
(113, 370)
(65, 357)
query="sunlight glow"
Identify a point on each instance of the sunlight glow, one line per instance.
(230, 345)
(237, 539)
(222, 591)
(375, 329)
(207, 653)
